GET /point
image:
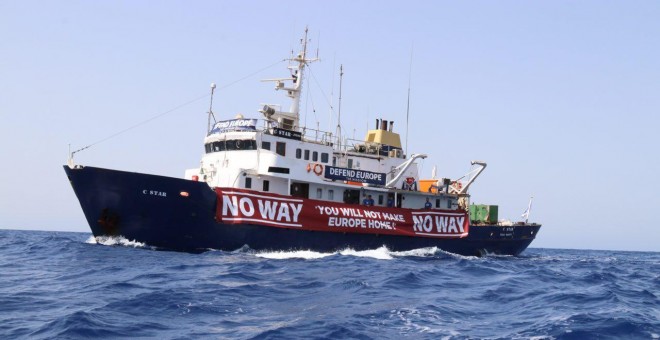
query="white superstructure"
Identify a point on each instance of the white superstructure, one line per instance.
(274, 154)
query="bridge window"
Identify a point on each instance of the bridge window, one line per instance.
(231, 145)
(306, 155)
(240, 144)
(298, 153)
(324, 157)
(319, 193)
(265, 145)
(248, 183)
(266, 185)
(331, 194)
(280, 148)
(315, 156)
(350, 163)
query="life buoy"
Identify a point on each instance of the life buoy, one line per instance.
(409, 184)
(309, 167)
(318, 169)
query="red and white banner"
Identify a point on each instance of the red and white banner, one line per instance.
(238, 206)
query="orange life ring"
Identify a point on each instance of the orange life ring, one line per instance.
(318, 169)
(309, 167)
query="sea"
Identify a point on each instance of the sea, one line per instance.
(64, 285)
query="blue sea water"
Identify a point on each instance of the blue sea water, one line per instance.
(70, 285)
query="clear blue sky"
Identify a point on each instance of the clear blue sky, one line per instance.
(561, 98)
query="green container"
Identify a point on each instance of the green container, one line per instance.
(482, 213)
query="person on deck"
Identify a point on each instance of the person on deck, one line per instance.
(368, 201)
(428, 204)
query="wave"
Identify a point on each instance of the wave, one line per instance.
(56, 285)
(116, 241)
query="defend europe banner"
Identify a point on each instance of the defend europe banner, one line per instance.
(238, 206)
(234, 125)
(354, 175)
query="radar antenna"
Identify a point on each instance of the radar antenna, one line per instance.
(296, 68)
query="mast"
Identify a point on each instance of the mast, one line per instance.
(297, 63)
(332, 93)
(297, 76)
(408, 103)
(341, 77)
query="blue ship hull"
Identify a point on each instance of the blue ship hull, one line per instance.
(178, 214)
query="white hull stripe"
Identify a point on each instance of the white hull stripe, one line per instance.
(240, 219)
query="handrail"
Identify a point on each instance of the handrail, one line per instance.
(322, 137)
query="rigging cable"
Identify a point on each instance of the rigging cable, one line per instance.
(321, 89)
(310, 97)
(172, 110)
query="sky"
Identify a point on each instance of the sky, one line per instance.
(560, 98)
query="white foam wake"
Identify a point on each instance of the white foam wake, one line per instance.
(421, 252)
(295, 254)
(460, 257)
(115, 241)
(381, 253)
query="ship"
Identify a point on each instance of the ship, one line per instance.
(270, 184)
